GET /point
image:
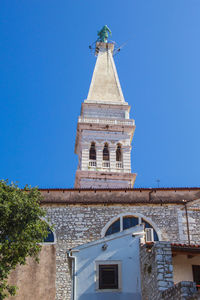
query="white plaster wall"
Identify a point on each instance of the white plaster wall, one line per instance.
(124, 248)
(182, 266)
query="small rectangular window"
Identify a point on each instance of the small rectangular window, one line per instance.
(108, 275)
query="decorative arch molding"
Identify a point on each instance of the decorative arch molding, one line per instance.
(128, 214)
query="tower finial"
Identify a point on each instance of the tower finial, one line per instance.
(103, 34)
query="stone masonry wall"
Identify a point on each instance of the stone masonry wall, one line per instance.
(195, 296)
(183, 290)
(157, 275)
(76, 224)
(156, 270)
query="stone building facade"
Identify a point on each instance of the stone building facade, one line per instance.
(80, 216)
(103, 200)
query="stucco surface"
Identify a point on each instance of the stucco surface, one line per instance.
(121, 248)
(36, 281)
(182, 265)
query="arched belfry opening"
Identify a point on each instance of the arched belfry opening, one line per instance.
(119, 153)
(106, 154)
(92, 155)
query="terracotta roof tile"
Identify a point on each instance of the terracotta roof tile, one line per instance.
(193, 246)
(188, 249)
(146, 196)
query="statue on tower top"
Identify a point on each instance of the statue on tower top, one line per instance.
(103, 34)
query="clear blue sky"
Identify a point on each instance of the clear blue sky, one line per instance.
(45, 72)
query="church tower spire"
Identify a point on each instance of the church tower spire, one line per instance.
(105, 85)
(104, 130)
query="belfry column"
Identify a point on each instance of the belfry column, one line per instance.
(85, 155)
(127, 158)
(99, 151)
(112, 158)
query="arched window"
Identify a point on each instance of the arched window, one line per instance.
(126, 222)
(50, 237)
(114, 227)
(106, 152)
(93, 151)
(119, 153)
(130, 221)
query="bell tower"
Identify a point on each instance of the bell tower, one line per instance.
(104, 130)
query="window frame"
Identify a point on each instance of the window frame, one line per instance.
(108, 262)
(131, 214)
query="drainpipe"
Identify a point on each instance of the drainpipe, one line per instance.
(73, 279)
(69, 255)
(187, 221)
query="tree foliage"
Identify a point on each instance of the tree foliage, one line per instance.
(22, 228)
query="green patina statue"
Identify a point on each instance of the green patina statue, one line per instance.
(103, 34)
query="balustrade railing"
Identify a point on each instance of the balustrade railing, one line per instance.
(106, 164)
(92, 163)
(107, 121)
(119, 165)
